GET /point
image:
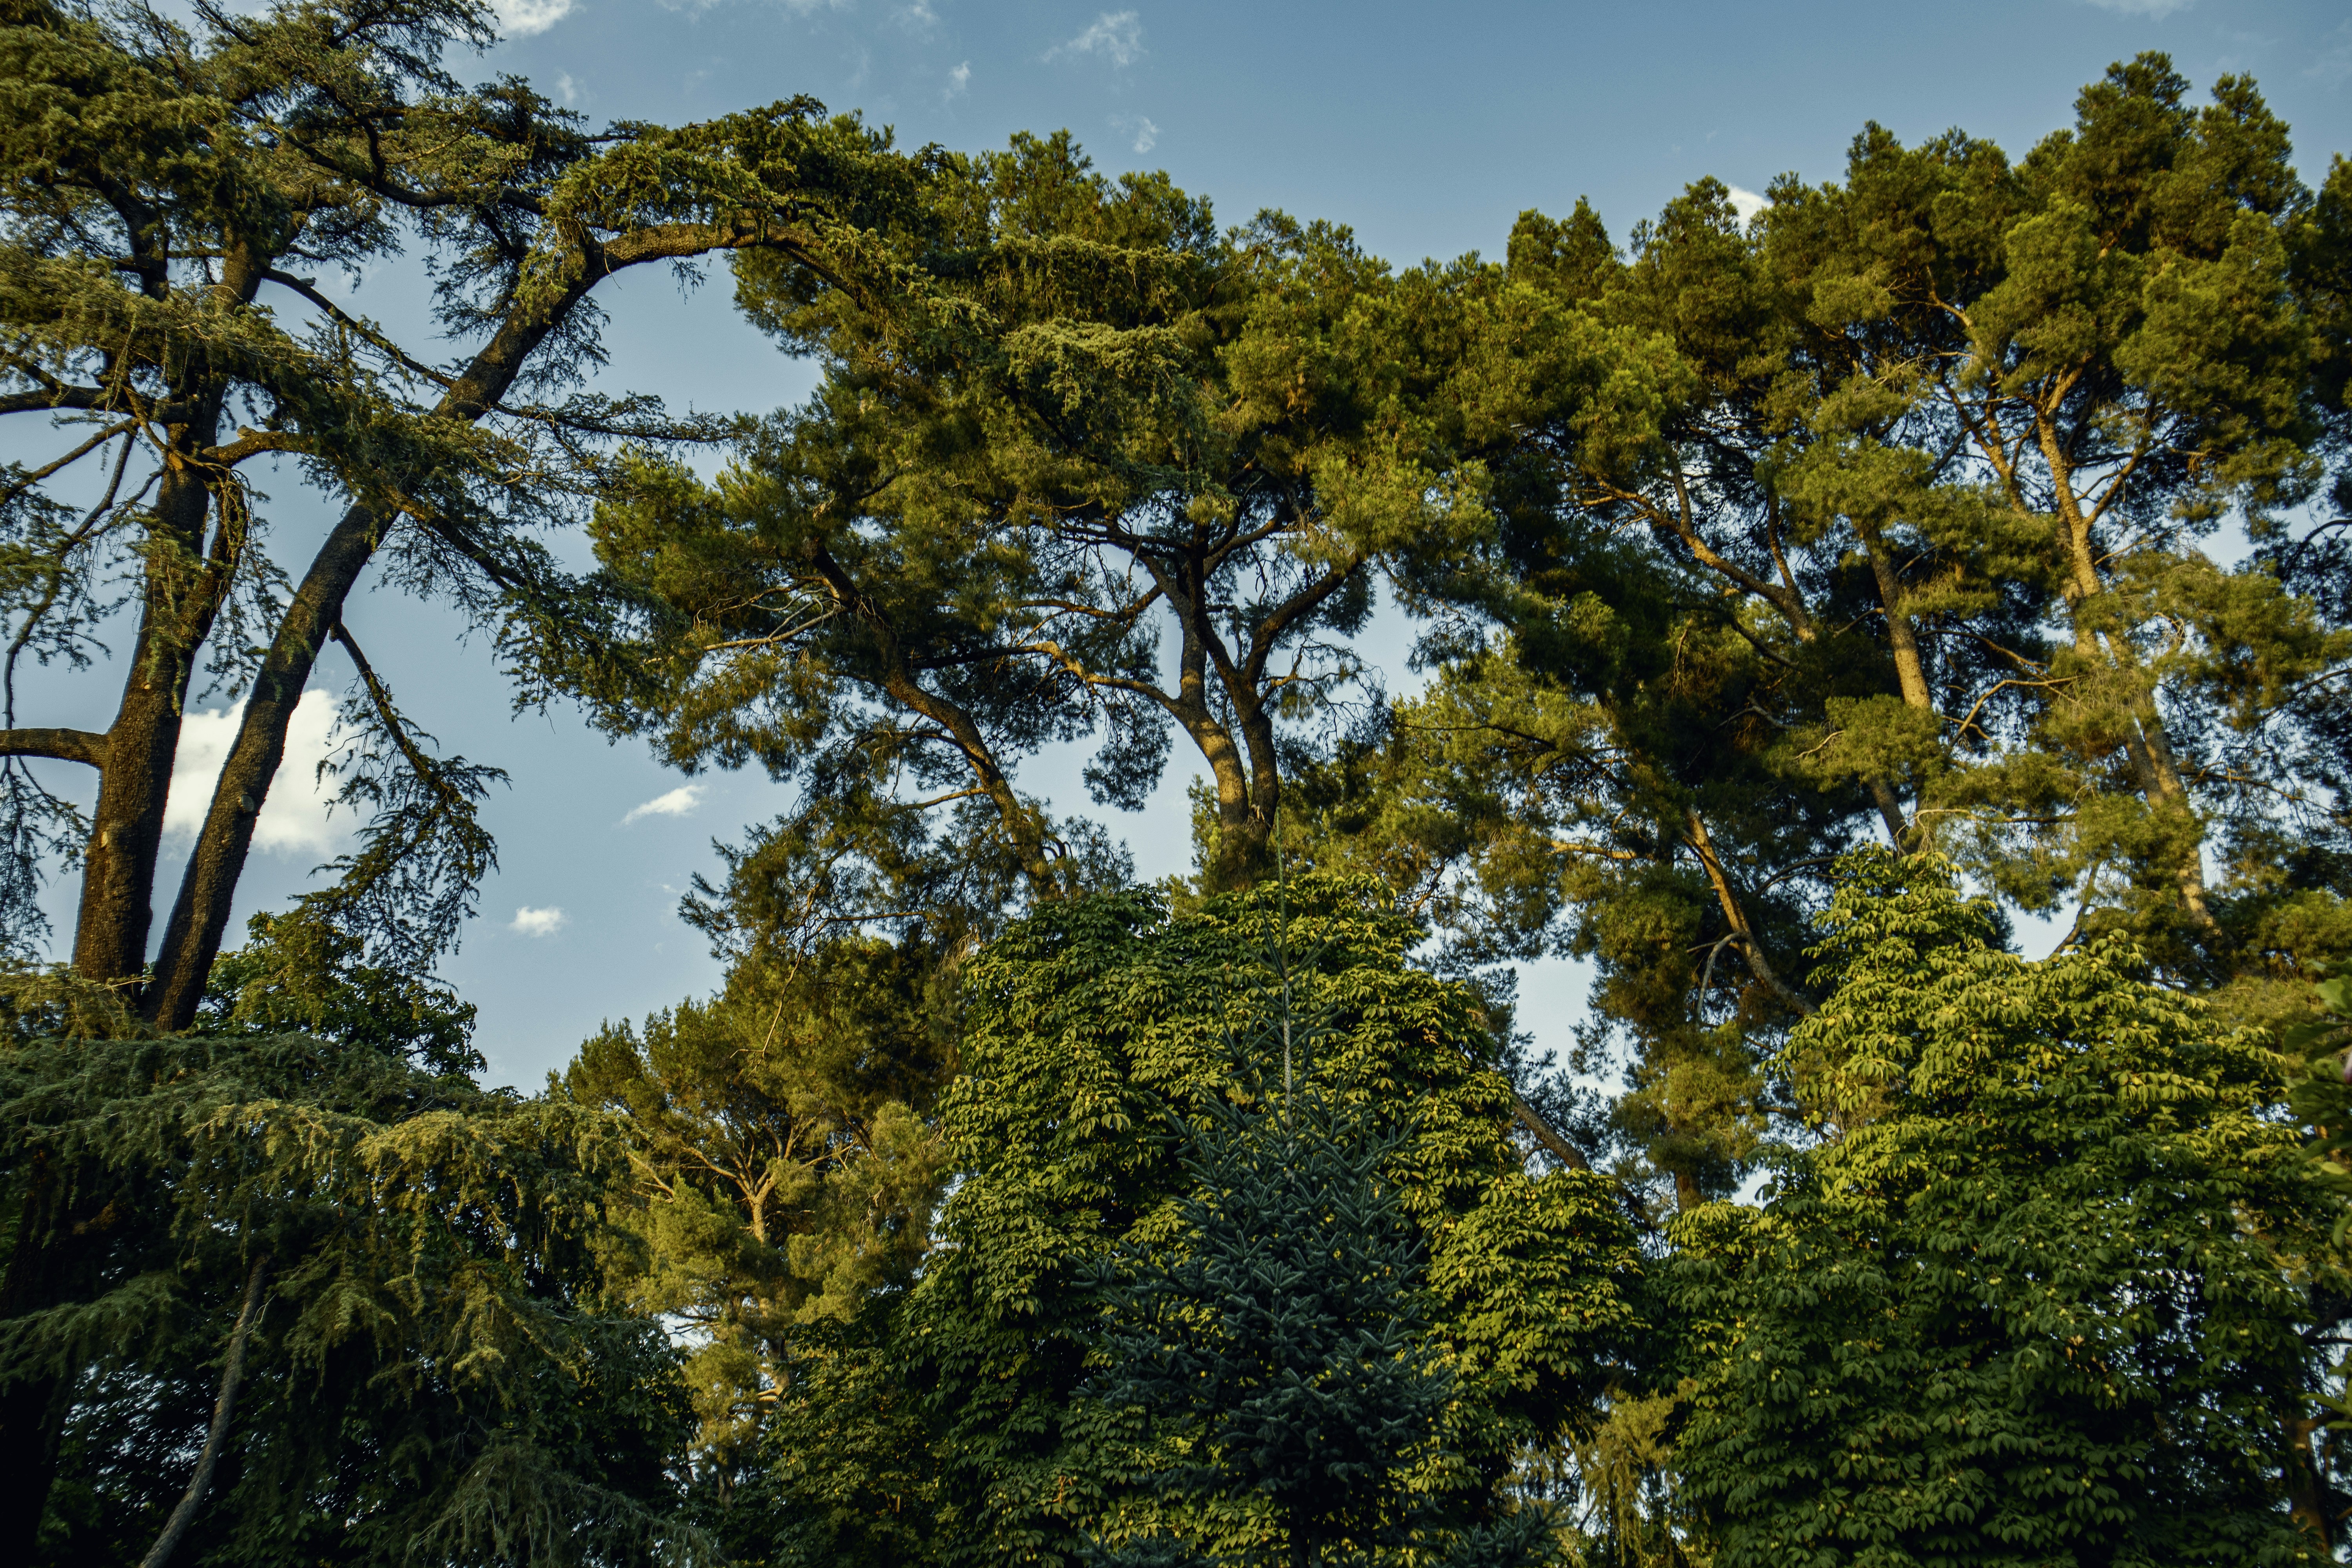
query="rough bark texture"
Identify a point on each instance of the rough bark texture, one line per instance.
(135, 776)
(200, 915)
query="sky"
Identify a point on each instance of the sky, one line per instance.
(1426, 129)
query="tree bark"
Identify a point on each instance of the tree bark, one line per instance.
(134, 777)
(2306, 1498)
(208, 1458)
(1703, 847)
(61, 745)
(200, 915)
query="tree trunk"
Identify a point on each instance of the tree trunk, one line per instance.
(33, 1408)
(135, 776)
(200, 914)
(2149, 749)
(32, 1420)
(1910, 675)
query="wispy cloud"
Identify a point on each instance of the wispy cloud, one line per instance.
(2334, 64)
(958, 80)
(1747, 203)
(567, 86)
(2144, 7)
(1116, 35)
(1147, 134)
(679, 802)
(528, 921)
(523, 19)
(294, 815)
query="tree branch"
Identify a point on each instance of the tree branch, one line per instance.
(232, 1374)
(61, 745)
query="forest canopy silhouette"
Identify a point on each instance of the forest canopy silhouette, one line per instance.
(1803, 598)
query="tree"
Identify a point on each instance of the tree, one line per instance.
(1097, 421)
(1881, 513)
(404, 1266)
(781, 1164)
(2055, 1283)
(163, 184)
(1089, 1025)
(1274, 1344)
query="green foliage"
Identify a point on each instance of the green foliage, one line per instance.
(2052, 1286)
(1887, 510)
(1091, 1028)
(434, 1365)
(1082, 416)
(780, 1164)
(1276, 1349)
(300, 974)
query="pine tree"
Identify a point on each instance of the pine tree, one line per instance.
(1295, 1403)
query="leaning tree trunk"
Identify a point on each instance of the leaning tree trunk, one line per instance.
(200, 915)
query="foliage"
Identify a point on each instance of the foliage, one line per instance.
(174, 185)
(2052, 1286)
(1275, 1348)
(780, 1163)
(1090, 1027)
(1091, 424)
(435, 1365)
(300, 975)
(1890, 509)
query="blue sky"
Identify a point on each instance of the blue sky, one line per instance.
(1427, 129)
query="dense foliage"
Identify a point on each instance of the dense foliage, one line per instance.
(2044, 1289)
(1098, 1033)
(1805, 601)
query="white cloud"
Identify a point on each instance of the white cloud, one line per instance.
(1147, 135)
(958, 80)
(678, 802)
(524, 18)
(294, 814)
(567, 86)
(1115, 35)
(2144, 7)
(1747, 203)
(528, 921)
